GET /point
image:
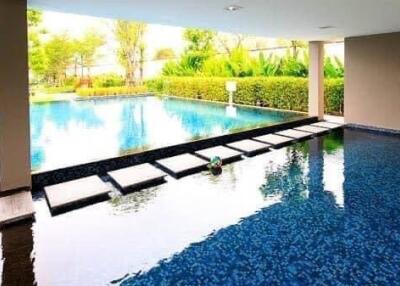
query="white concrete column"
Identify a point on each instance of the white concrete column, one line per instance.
(15, 171)
(316, 80)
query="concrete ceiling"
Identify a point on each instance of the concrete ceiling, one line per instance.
(292, 19)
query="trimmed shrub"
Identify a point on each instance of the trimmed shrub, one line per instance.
(104, 91)
(108, 80)
(54, 90)
(289, 93)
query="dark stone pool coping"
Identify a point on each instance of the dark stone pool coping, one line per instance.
(374, 130)
(40, 180)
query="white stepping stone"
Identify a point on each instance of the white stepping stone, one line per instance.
(312, 129)
(136, 176)
(76, 191)
(225, 153)
(249, 146)
(328, 125)
(273, 139)
(294, 134)
(16, 207)
(182, 164)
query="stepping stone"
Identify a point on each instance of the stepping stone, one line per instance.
(77, 191)
(182, 164)
(312, 129)
(16, 207)
(328, 125)
(294, 134)
(249, 146)
(273, 139)
(137, 176)
(226, 154)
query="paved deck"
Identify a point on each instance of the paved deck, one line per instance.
(226, 154)
(294, 134)
(137, 176)
(328, 125)
(273, 139)
(249, 147)
(184, 164)
(76, 191)
(16, 207)
(312, 129)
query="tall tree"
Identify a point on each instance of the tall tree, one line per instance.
(142, 48)
(228, 42)
(59, 53)
(199, 40)
(35, 46)
(200, 48)
(294, 45)
(130, 36)
(34, 17)
(86, 50)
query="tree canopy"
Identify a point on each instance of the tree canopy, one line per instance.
(164, 54)
(130, 37)
(86, 49)
(59, 53)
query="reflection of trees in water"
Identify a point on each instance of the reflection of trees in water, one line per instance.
(287, 180)
(134, 202)
(132, 137)
(17, 246)
(333, 141)
(301, 177)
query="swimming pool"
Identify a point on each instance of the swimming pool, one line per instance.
(321, 212)
(69, 133)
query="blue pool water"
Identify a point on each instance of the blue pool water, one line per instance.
(73, 132)
(322, 212)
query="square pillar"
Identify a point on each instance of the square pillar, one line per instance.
(316, 80)
(15, 169)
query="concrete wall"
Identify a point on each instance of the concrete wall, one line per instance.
(372, 81)
(14, 100)
(316, 80)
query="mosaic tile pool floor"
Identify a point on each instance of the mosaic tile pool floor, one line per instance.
(321, 212)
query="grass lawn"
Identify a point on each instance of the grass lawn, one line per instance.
(46, 97)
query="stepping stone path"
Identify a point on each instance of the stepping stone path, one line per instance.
(294, 134)
(16, 207)
(137, 176)
(328, 125)
(182, 164)
(226, 154)
(76, 191)
(273, 139)
(248, 146)
(312, 129)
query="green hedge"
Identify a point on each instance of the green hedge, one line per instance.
(104, 91)
(334, 96)
(289, 93)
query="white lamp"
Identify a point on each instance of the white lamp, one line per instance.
(231, 87)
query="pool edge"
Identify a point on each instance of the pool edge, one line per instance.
(101, 167)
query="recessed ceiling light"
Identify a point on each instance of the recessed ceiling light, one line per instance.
(326, 27)
(233, 8)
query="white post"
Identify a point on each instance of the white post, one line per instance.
(316, 80)
(15, 169)
(231, 87)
